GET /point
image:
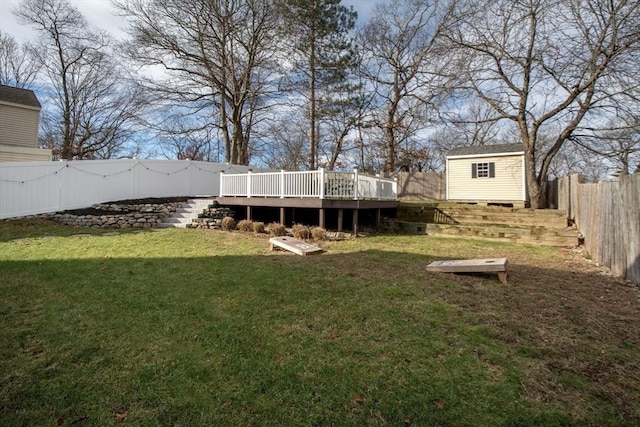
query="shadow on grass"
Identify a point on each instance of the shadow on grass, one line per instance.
(14, 229)
(363, 337)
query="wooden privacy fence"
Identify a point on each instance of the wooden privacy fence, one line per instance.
(608, 216)
(41, 187)
(421, 185)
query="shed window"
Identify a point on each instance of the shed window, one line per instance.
(483, 170)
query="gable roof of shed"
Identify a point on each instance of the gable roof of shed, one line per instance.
(486, 149)
(19, 96)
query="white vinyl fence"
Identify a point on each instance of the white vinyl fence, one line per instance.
(32, 188)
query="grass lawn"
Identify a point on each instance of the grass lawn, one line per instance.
(197, 327)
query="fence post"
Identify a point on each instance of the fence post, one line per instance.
(321, 183)
(356, 185)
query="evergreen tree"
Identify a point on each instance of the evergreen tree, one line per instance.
(320, 51)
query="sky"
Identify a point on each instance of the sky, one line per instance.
(99, 13)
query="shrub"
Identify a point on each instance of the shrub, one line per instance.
(301, 232)
(277, 229)
(245, 225)
(228, 223)
(319, 233)
(258, 227)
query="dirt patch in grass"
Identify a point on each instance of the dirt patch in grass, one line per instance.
(578, 326)
(573, 324)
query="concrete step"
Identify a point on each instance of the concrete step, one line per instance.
(170, 225)
(186, 213)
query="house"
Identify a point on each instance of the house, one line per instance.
(19, 122)
(487, 174)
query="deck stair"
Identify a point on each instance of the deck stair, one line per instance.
(186, 213)
(541, 226)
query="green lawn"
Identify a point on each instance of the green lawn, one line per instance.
(193, 327)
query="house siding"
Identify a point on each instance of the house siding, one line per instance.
(9, 153)
(19, 126)
(507, 186)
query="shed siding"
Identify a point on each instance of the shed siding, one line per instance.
(18, 126)
(507, 185)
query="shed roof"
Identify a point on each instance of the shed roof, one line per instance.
(487, 149)
(19, 96)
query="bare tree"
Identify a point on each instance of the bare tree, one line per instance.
(92, 111)
(342, 116)
(214, 57)
(186, 138)
(546, 66)
(475, 123)
(18, 65)
(617, 142)
(283, 142)
(403, 64)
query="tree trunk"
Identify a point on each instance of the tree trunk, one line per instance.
(390, 127)
(312, 112)
(536, 185)
(390, 145)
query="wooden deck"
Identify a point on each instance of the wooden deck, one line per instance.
(318, 184)
(333, 200)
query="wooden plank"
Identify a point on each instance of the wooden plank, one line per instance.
(498, 265)
(294, 245)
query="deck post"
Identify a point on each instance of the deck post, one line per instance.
(221, 183)
(249, 213)
(355, 222)
(248, 184)
(282, 183)
(355, 184)
(340, 218)
(378, 218)
(282, 217)
(321, 218)
(321, 183)
(378, 186)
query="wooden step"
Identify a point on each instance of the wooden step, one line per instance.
(566, 237)
(482, 215)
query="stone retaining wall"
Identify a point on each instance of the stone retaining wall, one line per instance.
(212, 218)
(113, 215)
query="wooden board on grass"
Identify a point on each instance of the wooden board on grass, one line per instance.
(498, 265)
(294, 245)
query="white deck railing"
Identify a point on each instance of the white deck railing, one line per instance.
(319, 184)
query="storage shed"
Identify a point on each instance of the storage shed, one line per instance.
(487, 174)
(19, 122)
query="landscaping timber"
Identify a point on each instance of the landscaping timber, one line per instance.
(497, 223)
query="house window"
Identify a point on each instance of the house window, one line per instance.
(483, 170)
